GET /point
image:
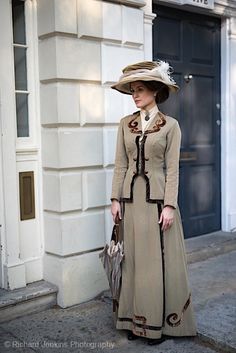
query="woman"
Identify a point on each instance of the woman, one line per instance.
(155, 300)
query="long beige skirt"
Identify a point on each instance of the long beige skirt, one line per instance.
(155, 298)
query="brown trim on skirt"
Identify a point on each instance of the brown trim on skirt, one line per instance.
(163, 264)
(174, 316)
(148, 327)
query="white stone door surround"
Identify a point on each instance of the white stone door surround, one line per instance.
(21, 240)
(2, 225)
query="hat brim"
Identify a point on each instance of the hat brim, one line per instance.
(123, 85)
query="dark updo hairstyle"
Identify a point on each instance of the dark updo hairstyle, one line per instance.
(161, 88)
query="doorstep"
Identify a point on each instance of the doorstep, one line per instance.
(205, 246)
(35, 297)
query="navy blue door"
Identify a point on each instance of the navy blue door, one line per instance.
(191, 43)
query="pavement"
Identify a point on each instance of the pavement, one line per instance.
(89, 327)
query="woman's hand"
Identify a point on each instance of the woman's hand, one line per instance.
(167, 217)
(115, 208)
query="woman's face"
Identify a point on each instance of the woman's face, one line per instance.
(143, 97)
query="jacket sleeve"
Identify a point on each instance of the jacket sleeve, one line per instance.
(121, 164)
(172, 155)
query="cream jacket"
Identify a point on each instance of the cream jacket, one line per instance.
(153, 154)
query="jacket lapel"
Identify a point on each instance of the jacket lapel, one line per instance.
(135, 124)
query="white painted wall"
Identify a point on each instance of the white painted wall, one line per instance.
(81, 53)
(228, 128)
(2, 209)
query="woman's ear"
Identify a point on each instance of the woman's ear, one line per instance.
(155, 93)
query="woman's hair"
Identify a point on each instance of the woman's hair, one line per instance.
(161, 88)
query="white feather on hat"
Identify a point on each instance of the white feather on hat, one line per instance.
(146, 71)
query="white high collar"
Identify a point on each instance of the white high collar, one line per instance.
(152, 113)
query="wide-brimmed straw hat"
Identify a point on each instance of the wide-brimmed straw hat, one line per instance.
(146, 71)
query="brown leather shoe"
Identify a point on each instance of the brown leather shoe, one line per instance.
(152, 341)
(131, 336)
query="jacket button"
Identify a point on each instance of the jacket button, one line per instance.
(146, 159)
(135, 159)
(146, 172)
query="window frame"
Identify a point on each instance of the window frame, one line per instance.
(30, 141)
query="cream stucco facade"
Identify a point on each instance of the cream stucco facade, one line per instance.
(76, 50)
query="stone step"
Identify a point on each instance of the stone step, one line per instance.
(33, 298)
(209, 245)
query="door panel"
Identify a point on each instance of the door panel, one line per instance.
(169, 47)
(191, 43)
(202, 44)
(201, 119)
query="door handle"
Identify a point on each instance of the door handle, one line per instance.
(188, 78)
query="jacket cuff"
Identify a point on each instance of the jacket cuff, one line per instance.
(114, 198)
(172, 206)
